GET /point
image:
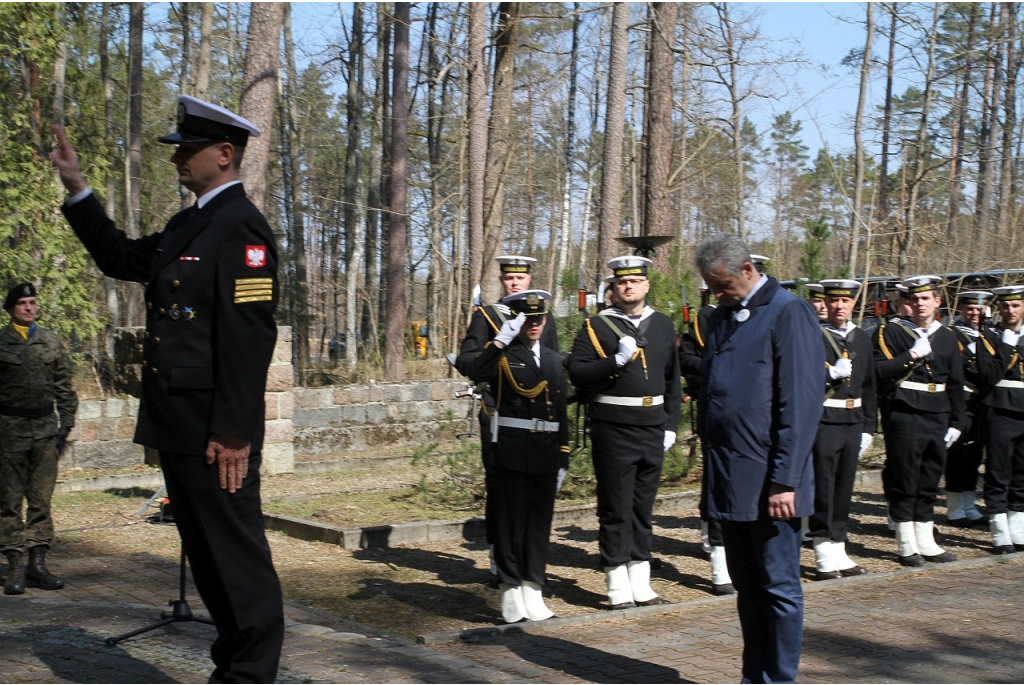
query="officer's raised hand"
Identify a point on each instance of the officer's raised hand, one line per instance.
(509, 330)
(65, 160)
(921, 349)
(232, 457)
(627, 348)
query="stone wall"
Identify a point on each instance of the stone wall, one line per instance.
(298, 420)
(362, 417)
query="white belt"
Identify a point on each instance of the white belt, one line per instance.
(535, 425)
(924, 387)
(849, 403)
(1010, 384)
(631, 401)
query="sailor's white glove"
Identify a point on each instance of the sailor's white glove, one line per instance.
(843, 368)
(922, 347)
(865, 443)
(560, 479)
(1010, 337)
(952, 435)
(670, 439)
(509, 330)
(627, 348)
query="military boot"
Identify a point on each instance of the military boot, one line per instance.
(15, 584)
(37, 575)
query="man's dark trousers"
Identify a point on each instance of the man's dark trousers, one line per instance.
(226, 544)
(771, 612)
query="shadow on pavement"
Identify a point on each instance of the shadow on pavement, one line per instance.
(587, 663)
(73, 655)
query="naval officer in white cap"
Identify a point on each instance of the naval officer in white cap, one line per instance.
(211, 289)
(920, 373)
(625, 361)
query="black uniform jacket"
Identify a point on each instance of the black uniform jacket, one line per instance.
(656, 372)
(484, 325)
(861, 383)
(969, 339)
(513, 377)
(691, 349)
(998, 361)
(211, 290)
(894, 364)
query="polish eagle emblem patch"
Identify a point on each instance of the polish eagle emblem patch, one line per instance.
(255, 256)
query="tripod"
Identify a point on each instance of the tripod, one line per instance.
(180, 611)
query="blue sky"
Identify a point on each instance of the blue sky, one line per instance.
(825, 94)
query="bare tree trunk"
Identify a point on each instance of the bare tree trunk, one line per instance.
(184, 12)
(920, 169)
(394, 351)
(437, 80)
(477, 146)
(291, 140)
(614, 121)
(883, 191)
(570, 133)
(109, 284)
(499, 146)
(371, 287)
(259, 88)
(205, 47)
(660, 75)
(133, 147)
(353, 219)
(1004, 210)
(958, 144)
(858, 140)
(60, 65)
(987, 141)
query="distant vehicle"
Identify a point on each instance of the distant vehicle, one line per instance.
(336, 347)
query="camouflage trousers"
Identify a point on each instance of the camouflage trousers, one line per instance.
(27, 479)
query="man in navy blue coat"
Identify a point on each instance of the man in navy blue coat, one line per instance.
(761, 400)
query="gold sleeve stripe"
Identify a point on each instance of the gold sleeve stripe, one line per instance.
(254, 293)
(255, 286)
(565, 449)
(252, 281)
(254, 298)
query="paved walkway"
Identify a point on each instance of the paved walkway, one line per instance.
(951, 623)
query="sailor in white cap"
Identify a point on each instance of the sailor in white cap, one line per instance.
(515, 274)
(210, 289)
(846, 428)
(920, 371)
(529, 450)
(816, 296)
(964, 458)
(1001, 376)
(624, 361)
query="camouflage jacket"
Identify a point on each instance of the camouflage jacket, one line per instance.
(35, 374)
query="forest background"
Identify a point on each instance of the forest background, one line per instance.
(423, 139)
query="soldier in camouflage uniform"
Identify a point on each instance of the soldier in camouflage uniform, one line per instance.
(35, 375)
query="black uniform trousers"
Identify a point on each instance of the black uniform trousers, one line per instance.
(915, 457)
(836, 452)
(627, 464)
(1004, 472)
(964, 457)
(490, 515)
(764, 563)
(524, 505)
(227, 548)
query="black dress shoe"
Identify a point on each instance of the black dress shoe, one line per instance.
(963, 522)
(1019, 548)
(1003, 549)
(912, 560)
(827, 575)
(943, 558)
(492, 580)
(657, 601)
(852, 571)
(622, 605)
(723, 589)
(978, 523)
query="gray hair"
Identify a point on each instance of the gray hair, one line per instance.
(722, 249)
